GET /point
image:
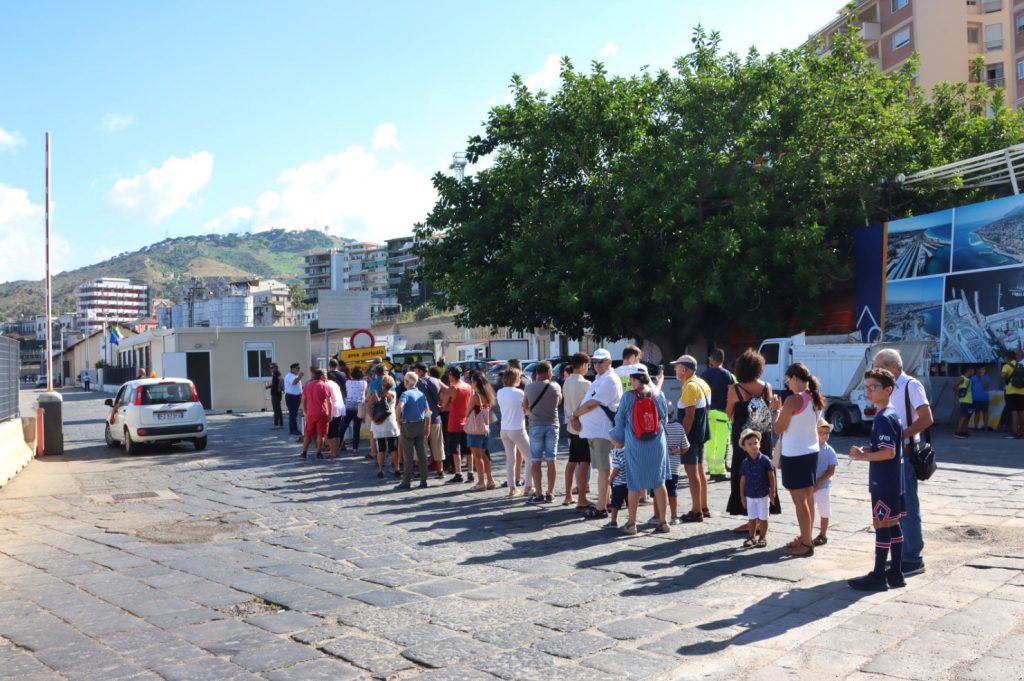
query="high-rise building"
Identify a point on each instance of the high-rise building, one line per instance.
(316, 272)
(403, 262)
(110, 301)
(947, 34)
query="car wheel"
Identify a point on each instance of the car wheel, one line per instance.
(840, 420)
(131, 447)
(200, 443)
(109, 437)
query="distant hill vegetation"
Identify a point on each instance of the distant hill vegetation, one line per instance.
(168, 265)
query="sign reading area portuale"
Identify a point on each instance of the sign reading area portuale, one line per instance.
(363, 355)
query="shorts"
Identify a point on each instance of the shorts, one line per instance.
(387, 445)
(981, 406)
(579, 450)
(671, 484)
(799, 472)
(757, 509)
(966, 409)
(334, 429)
(600, 453)
(317, 427)
(694, 455)
(619, 494)
(888, 507)
(823, 502)
(1014, 402)
(455, 443)
(476, 441)
(543, 443)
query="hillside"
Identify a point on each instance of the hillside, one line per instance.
(167, 265)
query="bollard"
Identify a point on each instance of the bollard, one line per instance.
(40, 415)
(51, 403)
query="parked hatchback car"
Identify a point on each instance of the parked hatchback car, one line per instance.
(155, 410)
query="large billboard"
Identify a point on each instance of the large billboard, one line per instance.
(955, 277)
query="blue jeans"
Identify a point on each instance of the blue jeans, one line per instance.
(543, 443)
(293, 402)
(913, 536)
(351, 418)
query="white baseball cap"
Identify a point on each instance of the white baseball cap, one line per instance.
(601, 355)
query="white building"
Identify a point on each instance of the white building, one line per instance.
(107, 301)
(239, 304)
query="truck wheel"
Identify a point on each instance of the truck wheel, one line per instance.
(841, 422)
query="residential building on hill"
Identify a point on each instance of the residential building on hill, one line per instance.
(947, 34)
(237, 304)
(107, 301)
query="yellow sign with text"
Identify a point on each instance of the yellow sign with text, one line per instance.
(363, 355)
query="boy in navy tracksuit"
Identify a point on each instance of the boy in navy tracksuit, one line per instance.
(885, 482)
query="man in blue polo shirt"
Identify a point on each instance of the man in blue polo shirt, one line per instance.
(885, 483)
(414, 424)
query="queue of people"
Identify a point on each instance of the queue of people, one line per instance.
(621, 425)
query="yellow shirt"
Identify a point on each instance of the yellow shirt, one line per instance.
(1007, 371)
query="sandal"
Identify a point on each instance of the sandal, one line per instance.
(761, 543)
(748, 543)
(490, 485)
(477, 488)
(663, 528)
(805, 551)
(595, 514)
(820, 540)
(568, 501)
(628, 528)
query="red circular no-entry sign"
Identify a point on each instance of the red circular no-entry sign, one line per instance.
(361, 338)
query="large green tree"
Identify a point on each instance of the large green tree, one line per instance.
(670, 205)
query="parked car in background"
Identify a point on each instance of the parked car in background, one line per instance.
(155, 410)
(469, 364)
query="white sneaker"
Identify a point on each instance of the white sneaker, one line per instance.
(674, 521)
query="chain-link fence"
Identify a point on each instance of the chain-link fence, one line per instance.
(10, 365)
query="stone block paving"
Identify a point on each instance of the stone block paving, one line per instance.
(253, 564)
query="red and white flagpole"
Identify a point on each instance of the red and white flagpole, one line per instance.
(49, 292)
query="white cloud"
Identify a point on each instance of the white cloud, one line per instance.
(546, 79)
(385, 136)
(163, 191)
(10, 139)
(113, 122)
(351, 192)
(22, 238)
(610, 49)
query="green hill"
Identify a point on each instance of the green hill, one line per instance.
(169, 264)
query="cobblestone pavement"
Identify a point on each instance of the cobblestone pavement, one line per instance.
(244, 562)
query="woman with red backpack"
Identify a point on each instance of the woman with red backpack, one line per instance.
(640, 431)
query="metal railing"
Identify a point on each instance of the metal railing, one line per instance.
(10, 366)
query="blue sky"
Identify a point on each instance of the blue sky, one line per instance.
(193, 117)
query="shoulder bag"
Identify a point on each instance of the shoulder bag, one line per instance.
(921, 454)
(478, 421)
(381, 410)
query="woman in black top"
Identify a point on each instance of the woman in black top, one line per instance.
(748, 407)
(276, 389)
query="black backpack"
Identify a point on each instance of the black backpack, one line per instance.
(1017, 377)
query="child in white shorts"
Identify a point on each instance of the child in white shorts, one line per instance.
(757, 488)
(827, 462)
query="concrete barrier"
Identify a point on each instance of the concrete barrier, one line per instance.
(17, 438)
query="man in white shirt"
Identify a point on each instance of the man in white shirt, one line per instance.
(578, 466)
(594, 418)
(913, 424)
(292, 397)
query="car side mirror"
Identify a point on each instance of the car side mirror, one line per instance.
(109, 402)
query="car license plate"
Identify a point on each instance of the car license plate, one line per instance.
(169, 415)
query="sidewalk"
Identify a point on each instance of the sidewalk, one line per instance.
(245, 562)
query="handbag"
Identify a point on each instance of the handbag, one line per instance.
(921, 454)
(381, 410)
(478, 421)
(361, 411)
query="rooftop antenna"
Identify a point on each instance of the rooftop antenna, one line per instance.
(459, 163)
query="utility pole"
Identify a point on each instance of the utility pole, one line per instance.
(49, 291)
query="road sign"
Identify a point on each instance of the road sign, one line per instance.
(343, 309)
(363, 355)
(362, 338)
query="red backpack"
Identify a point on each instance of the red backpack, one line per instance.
(646, 421)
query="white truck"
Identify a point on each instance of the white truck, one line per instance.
(839, 362)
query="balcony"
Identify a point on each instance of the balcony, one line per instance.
(996, 82)
(870, 31)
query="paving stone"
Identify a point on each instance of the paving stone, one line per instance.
(857, 642)
(516, 664)
(630, 664)
(386, 598)
(456, 674)
(442, 587)
(316, 635)
(418, 633)
(823, 663)
(448, 652)
(574, 646)
(210, 669)
(363, 652)
(284, 621)
(513, 635)
(988, 668)
(904, 665)
(635, 628)
(273, 655)
(327, 669)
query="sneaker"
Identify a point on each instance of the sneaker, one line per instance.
(398, 474)
(455, 478)
(548, 498)
(469, 477)
(423, 483)
(894, 580)
(380, 474)
(303, 455)
(440, 475)
(869, 582)
(662, 529)
(960, 436)
(910, 569)
(719, 478)
(692, 517)
(535, 499)
(674, 521)
(705, 512)
(611, 524)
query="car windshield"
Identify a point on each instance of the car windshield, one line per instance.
(167, 393)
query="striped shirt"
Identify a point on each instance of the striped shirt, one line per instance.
(675, 437)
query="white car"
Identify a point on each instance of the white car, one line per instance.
(155, 410)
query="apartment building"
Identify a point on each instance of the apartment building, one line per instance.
(947, 34)
(237, 304)
(108, 301)
(316, 272)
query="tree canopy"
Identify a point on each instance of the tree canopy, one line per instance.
(671, 205)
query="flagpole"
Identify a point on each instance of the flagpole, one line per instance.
(49, 291)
